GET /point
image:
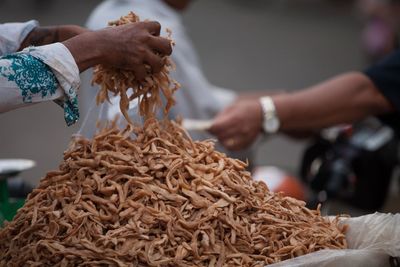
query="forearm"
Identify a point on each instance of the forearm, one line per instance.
(50, 34)
(343, 99)
(40, 36)
(258, 94)
(85, 49)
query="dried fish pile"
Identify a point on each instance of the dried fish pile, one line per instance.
(151, 196)
(159, 199)
(123, 82)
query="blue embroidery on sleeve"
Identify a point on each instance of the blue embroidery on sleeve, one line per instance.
(70, 106)
(34, 77)
(31, 75)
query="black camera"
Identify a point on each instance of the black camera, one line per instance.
(353, 163)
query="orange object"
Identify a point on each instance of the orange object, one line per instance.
(278, 180)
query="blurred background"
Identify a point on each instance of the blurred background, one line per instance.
(243, 45)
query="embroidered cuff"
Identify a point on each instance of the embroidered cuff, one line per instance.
(33, 78)
(63, 65)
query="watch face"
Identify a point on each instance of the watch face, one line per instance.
(272, 125)
(271, 122)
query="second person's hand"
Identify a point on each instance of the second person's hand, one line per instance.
(239, 125)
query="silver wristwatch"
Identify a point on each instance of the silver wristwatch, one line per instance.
(271, 121)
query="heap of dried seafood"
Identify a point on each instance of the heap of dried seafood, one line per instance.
(159, 199)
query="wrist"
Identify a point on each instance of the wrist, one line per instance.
(270, 120)
(86, 50)
(94, 44)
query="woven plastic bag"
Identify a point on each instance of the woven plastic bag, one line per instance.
(372, 240)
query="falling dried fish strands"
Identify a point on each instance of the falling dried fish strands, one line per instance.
(121, 82)
(159, 199)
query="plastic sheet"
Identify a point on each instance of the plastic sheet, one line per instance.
(372, 239)
(106, 112)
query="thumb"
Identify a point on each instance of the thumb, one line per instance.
(221, 122)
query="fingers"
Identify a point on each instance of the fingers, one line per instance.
(140, 72)
(160, 45)
(231, 138)
(154, 47)
(228, 133)
(238, 126)
(153, 27)
(155, 62)
(225, 130)
(135, 46)
(237, 140)
(156, 43)
(224, 125)
(233, 144)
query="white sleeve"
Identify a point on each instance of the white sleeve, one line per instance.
(39, 74)
(13, 34)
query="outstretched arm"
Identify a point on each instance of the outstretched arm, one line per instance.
(342, 99)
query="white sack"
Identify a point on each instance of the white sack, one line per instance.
(372, 239)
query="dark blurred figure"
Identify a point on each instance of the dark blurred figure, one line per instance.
(382, 28)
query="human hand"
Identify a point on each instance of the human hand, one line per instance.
(238, 125)
(129, 46)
